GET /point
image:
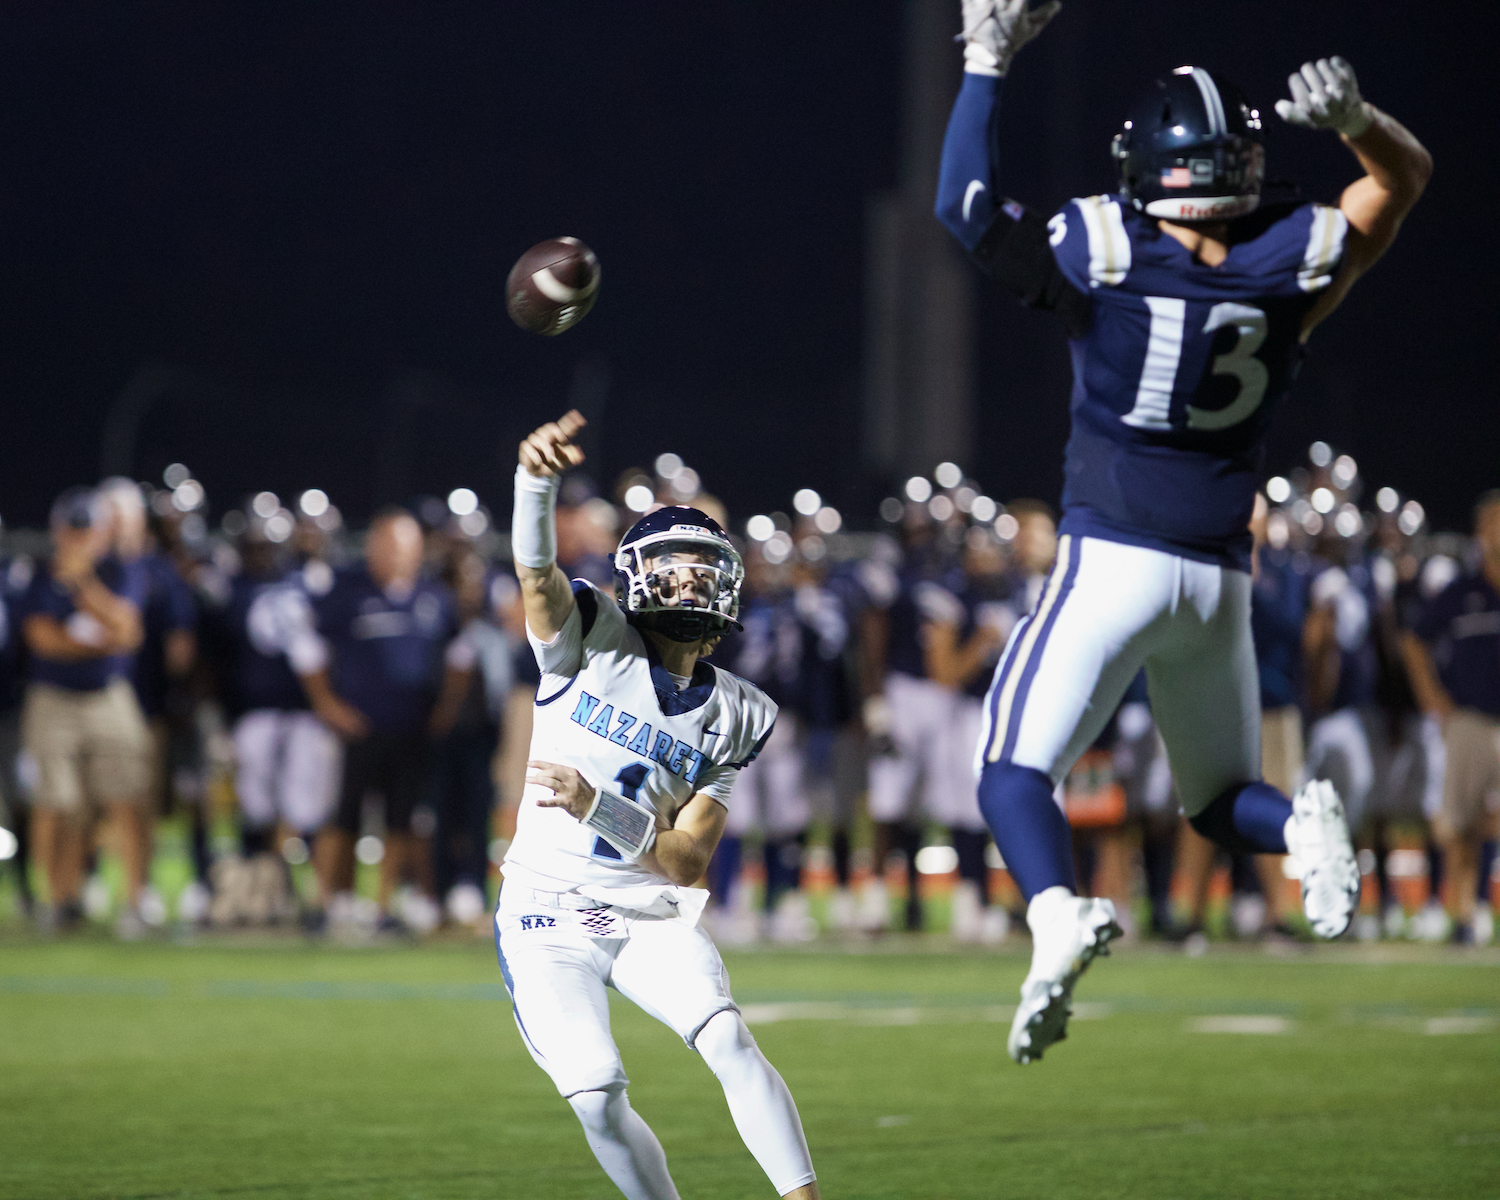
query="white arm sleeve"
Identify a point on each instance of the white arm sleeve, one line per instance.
(533, 522)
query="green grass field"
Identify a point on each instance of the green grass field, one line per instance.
(274, 1069)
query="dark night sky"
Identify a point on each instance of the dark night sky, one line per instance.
(311, 211)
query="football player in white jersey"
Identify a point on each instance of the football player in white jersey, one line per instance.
(634, 750)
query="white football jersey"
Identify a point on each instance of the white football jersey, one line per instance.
(609, 709)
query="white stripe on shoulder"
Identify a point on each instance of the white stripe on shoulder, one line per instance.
(1325, 248)
(1109, 247)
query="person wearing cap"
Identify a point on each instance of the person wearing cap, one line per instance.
(161, 667)
(80, 619)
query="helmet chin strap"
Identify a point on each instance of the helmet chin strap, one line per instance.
(681, 627)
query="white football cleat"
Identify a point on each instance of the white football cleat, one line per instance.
(1317, 838)
(1067, 933)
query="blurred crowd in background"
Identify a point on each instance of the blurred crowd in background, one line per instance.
(274, 720)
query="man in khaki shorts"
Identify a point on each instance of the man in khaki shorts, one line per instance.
(81, 724)
(1453, 656)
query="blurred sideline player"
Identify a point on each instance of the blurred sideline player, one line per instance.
(1278, 611)
(1369, 739)
(287, 761)
(635, 746)
(1186, 303)
(1453, 655)
(159, 672)
(910, 716)
(771, 796)
(963, 639)
(463, 782)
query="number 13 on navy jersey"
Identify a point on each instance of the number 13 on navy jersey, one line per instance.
(1181, 369)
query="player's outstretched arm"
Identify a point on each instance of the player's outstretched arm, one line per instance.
(994, 30)
(546, 594)
(1325, 95)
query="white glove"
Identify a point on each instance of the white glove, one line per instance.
(1325, 95)
(995, 29)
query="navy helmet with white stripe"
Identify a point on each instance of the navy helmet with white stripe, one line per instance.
(1191, 150)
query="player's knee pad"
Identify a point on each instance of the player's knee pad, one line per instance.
(601, 1110)
(728, 1046)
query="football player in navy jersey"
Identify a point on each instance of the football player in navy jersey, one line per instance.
(961, 643)
(286, 759)
(912, 718)
(767, 652)
(1186, 301)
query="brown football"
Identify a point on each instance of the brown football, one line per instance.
(552, 286)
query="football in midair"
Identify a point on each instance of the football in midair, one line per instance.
(552, 286)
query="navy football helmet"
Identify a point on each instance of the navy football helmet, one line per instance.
(1191, 150)
(677, 572)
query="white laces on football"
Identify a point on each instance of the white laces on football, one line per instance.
(995, 29)
(1325, 95)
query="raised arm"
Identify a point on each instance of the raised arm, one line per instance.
(546, 594)
(994, 30)
(1325, 95)
(1010, 242)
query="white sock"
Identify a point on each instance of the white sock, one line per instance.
(624, 1144)
(759, 1102)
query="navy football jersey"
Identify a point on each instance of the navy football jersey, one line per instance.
(768, 652)
(1178, 375)
(246, 639)
(1351, 593)
(1278, 607)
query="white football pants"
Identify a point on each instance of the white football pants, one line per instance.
(1107, 610)
(287, 767)
(558, 970)
(956, 802)
(921, 730)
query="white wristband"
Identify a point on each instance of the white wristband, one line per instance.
(626, 825)
(981, 60)
(533, 521)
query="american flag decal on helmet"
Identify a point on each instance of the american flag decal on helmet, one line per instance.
(1175, 177)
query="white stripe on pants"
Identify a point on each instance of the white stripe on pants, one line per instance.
(1108, 609)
